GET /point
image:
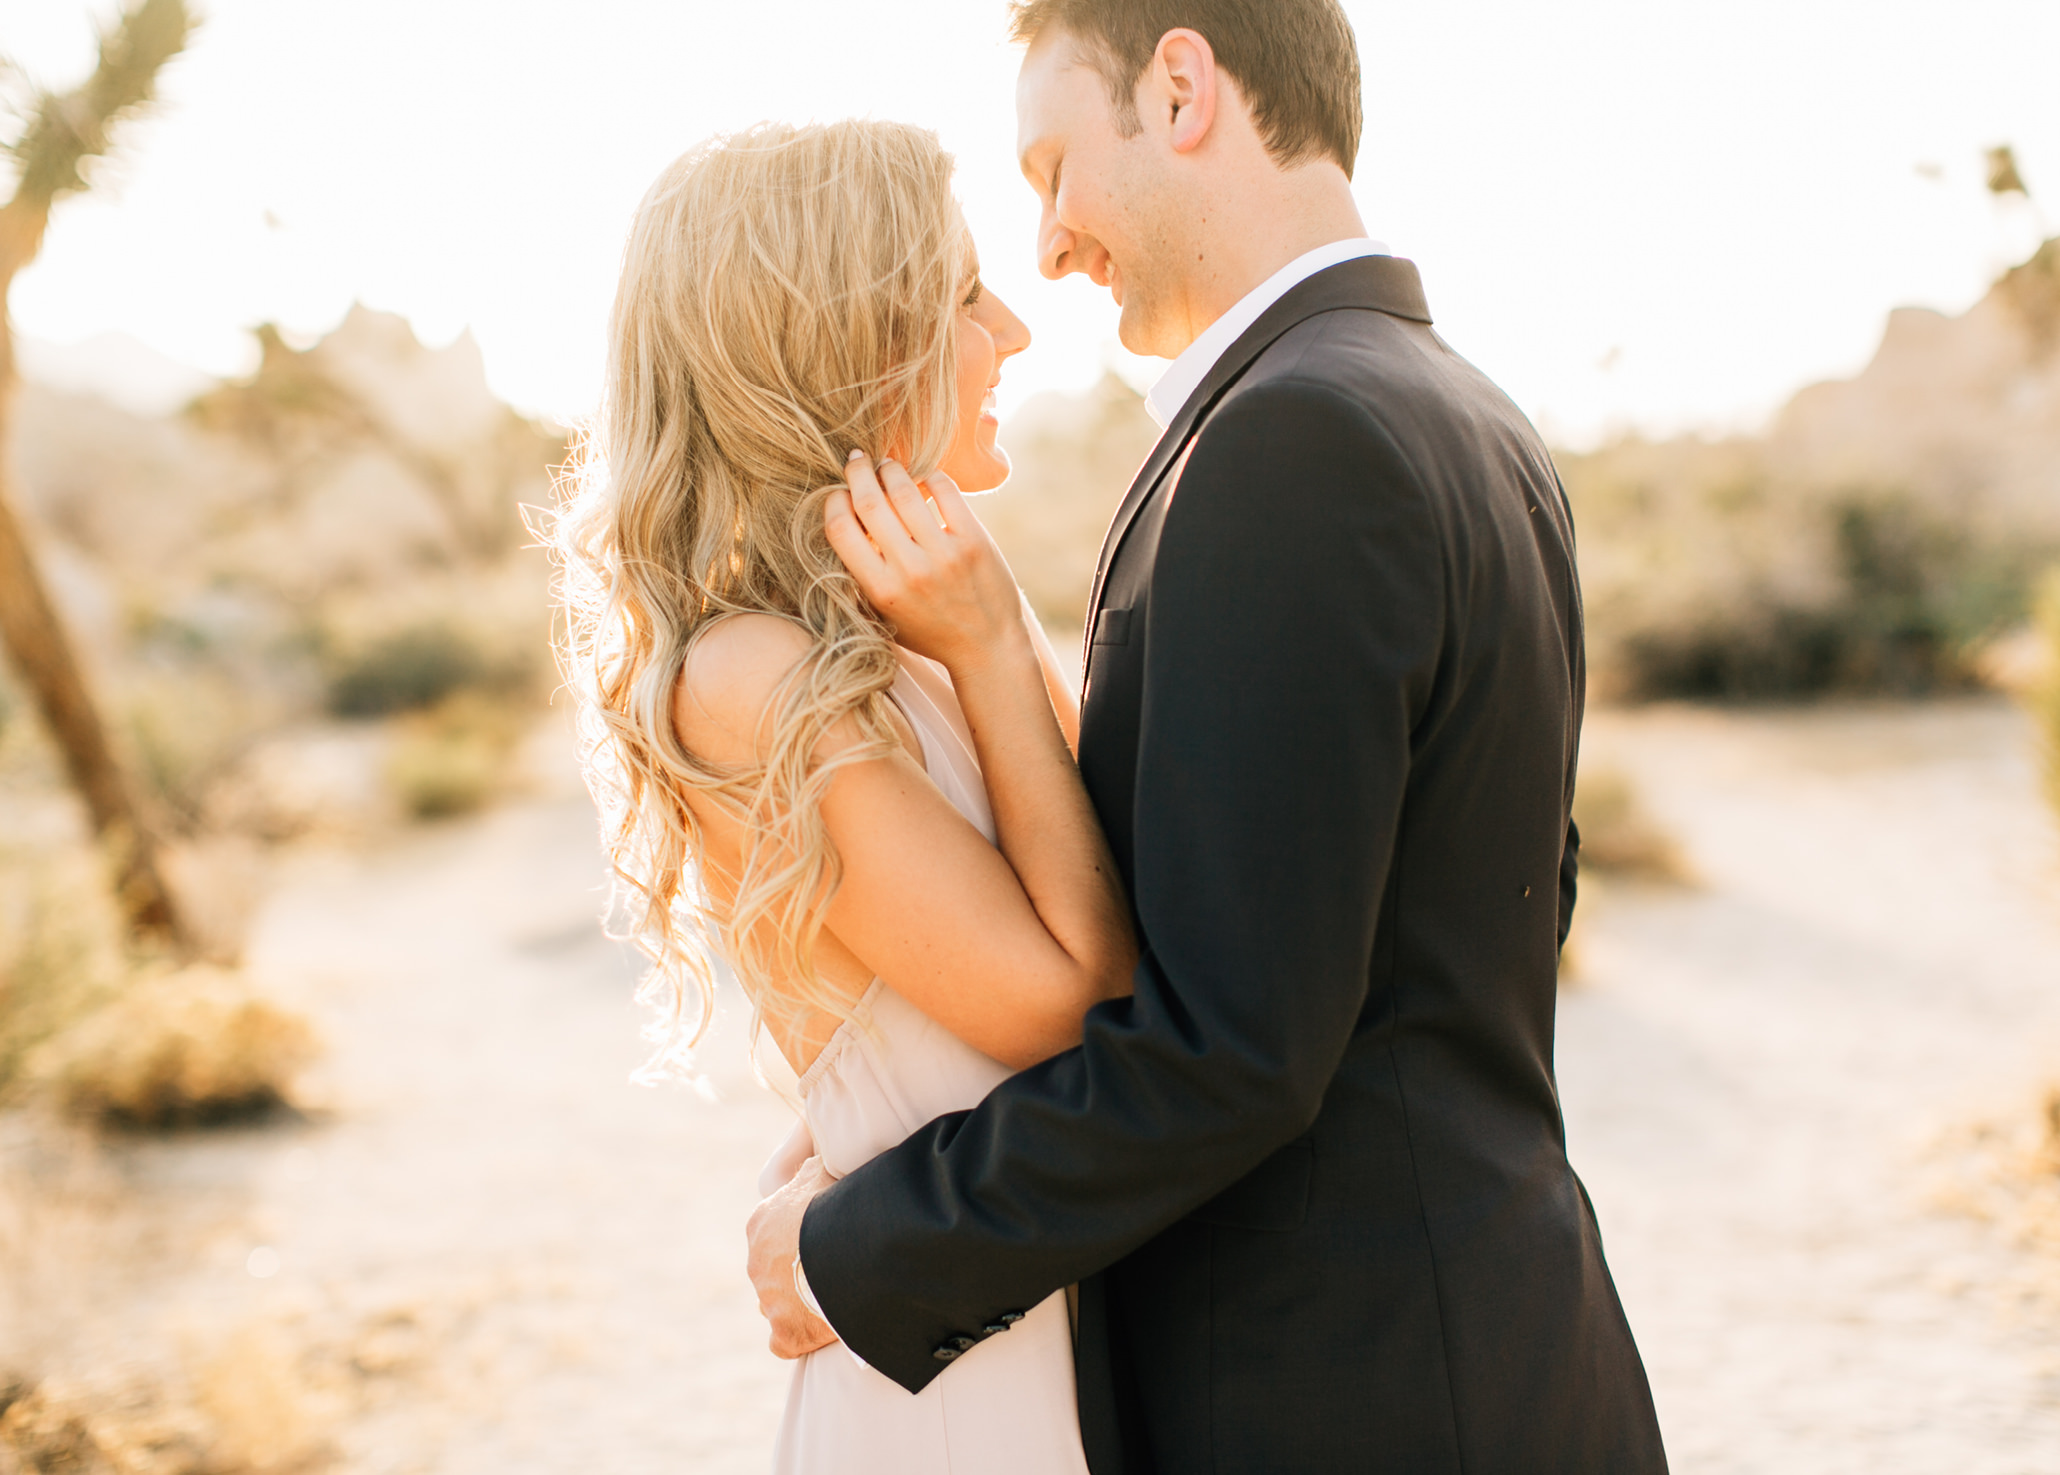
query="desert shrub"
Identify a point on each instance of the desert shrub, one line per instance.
(412, 668)
(192, 1046)
(453, 759)
(1911, 598)
(2045, 692)
(497, 651)
(1618, 836)
(1706, 583)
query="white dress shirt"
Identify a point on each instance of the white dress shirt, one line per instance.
(1186, 373)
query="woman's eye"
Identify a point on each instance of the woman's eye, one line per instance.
(972, 297)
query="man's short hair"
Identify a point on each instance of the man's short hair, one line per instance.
(1295, 61)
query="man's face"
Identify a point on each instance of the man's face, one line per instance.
(1107, 199)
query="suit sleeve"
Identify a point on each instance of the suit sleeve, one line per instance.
(1291, 639)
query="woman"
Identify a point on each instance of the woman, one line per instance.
(851, 774)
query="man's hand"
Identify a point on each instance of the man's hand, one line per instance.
(774, 1235)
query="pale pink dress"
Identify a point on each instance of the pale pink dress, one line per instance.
(1006, 1407)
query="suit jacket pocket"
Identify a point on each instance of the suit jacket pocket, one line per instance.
(1274, 1195)
(1112, 627)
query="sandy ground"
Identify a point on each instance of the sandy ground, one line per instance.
(521, 1262)
(1756, 1074)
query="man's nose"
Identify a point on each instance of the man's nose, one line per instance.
(1063, 251)
(1055, 252)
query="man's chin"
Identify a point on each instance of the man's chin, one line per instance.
(1138, 330)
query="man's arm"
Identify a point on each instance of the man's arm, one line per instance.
(1291, 641)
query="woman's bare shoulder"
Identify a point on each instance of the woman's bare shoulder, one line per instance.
(729, 682)
(729, 679)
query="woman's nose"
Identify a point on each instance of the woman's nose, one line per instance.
(1013, 336)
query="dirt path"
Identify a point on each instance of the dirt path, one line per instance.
(574, 1242)
(528, 1265)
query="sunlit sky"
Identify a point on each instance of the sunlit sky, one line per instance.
(1632, 213)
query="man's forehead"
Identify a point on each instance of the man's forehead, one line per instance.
(1050, 89)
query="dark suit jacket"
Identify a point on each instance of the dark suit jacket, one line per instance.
(1313, 1175)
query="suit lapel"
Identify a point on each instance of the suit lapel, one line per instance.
(1386, 284)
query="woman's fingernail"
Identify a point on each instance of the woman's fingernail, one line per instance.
(856, 455)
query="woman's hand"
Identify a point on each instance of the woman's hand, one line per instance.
(944, 586)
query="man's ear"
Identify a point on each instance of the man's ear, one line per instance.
(1182, 85)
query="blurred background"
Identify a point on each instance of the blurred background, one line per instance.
(318, 1150)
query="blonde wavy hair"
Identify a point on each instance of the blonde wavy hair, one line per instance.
(788, 294)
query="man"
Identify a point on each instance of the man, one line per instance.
(1311, 1178)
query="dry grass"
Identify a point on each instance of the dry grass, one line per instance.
(256, 1403)
(1618, 836)
(1620, 841)
(269, 1395)
(60, 951)
(55, 1428)
(193, 1046)
(62, 1428)
(2044, 693)
(102, 1371)
(2005, 1172)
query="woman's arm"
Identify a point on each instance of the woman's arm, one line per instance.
(1064, 699)
(1006, 949)
(933, 571)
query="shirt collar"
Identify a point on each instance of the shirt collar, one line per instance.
(1186, 373)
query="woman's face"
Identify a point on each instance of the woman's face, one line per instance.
(988, 333)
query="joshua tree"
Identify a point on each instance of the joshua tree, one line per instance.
(61, 134)
(2003, 178)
